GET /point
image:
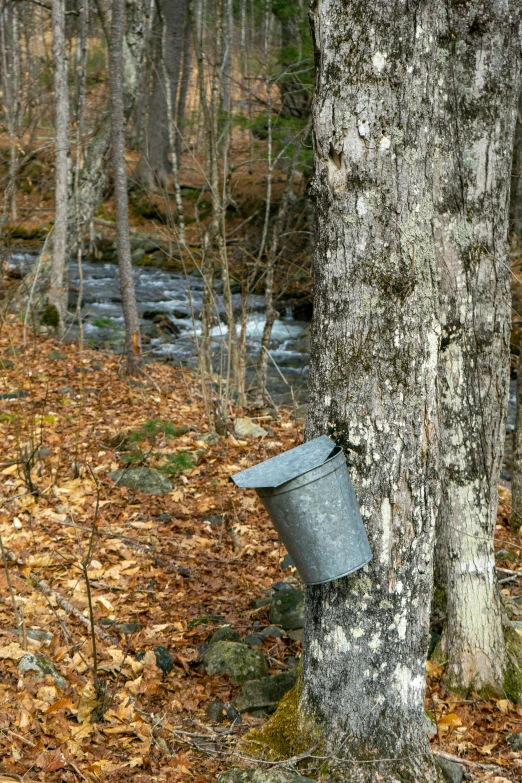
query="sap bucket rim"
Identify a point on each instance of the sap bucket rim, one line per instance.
(334, 462)
(289, 465)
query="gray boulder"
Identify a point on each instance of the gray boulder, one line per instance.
(239, 661)
(147, 480)
(287, 607)
(262, 776)
(451, 772)
(266, 692)
(34, 662)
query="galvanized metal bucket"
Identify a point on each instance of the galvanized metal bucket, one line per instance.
(309, 496)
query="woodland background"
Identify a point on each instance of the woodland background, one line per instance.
(110, 593)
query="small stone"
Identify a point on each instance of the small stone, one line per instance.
(147, 480)
(137, 255)
(239, 661)
(128, 628)
(56, 356)
(451, 772)
(296, 635)
(35, 662)
(261, 776)
(214, 520)
(266, 692)
(287, 608)
(225, 634)
(164, 659)
(216, 711)
(506, 556)
(253, 640)
(245, 428)
(515, 740)
(16, 395)
(270, 632)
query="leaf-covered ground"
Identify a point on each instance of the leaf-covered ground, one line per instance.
(162, 571)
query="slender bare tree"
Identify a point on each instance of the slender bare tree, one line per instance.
(128, 294)
(58, 288)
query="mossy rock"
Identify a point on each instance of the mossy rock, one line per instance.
(287, 608)
(50, 316)
(451, 772)
(261, 776)
(35, 662)
(147, 480)
(266, 692)
(239, 661)
(506, 556)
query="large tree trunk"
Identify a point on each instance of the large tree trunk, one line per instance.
(479, 79)
(59, 278)
(128, 296)
(375, 338)
(154, 168)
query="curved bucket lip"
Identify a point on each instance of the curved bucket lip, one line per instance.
(330, 463)
(345, 573)
(288, 465)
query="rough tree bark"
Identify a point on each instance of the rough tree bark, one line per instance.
(154, 168)
(516, 471)
(516, 178)
(58, 288)
(516, 230)
(479, 52)
(128, 295)
(375, 338)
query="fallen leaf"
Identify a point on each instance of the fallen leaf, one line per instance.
(61, 704)
(13, 651)
(486, 749)
(88, 702)
(50, 762)
(449, 721)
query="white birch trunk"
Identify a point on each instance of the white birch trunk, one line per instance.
(375, 337)
(58, 289)
(479, 81)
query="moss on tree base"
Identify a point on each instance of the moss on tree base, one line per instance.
(287, 732)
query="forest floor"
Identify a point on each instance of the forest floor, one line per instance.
(161, 571)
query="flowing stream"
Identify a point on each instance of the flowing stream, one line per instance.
(169, 305)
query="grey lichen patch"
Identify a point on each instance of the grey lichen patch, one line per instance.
(463, 233)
